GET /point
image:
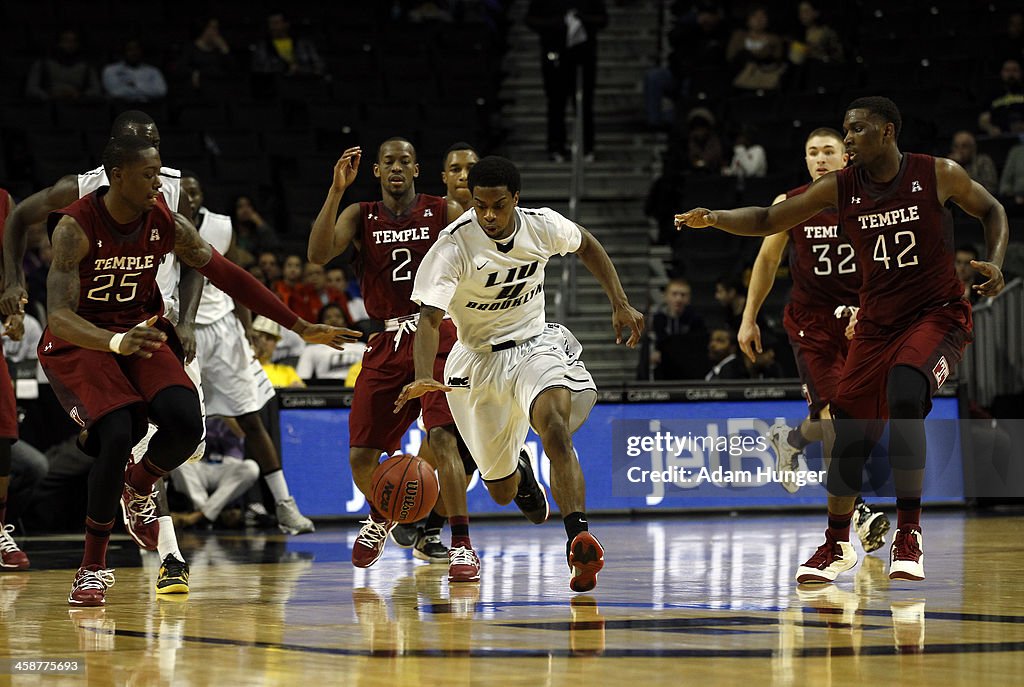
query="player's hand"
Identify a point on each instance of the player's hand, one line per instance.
(141, 339)
(995, 282)
(851, 326)
(13, 301)
(417, 388)
(187, 335)
(346, 169)
(335, 337)
(14, 326)
(628, 317)
(698, 218)
(749, 338)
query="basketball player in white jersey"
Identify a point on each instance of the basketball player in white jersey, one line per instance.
(511, 370)
(146, 517)
(234, 382)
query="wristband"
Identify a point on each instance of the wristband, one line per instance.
(115, 342)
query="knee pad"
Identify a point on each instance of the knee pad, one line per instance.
(907, 392)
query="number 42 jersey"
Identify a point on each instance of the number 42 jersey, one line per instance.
(904, 241)
(392, 248)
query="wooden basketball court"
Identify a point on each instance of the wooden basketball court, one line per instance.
(694, 600)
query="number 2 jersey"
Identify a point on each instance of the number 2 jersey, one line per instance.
(117, 277)
(822, 263)
(903, 237)
(392, 248)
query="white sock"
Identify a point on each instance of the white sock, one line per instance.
(278, 487)
(166, 541)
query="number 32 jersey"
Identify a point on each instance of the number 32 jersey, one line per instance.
(392, 248)
(822, 262)
(904, 242)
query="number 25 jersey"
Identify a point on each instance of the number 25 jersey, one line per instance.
(903, 238)
(392, 248)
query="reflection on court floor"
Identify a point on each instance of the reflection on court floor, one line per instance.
(680, 600)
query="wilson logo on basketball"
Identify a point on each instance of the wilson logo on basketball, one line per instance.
(409, 500)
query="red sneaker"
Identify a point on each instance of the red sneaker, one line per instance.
(586, 558)
(11, 557)
(463, 564)
(831, 558)
(906, 559)
(369, 544)
(140, 517)
(90, 587)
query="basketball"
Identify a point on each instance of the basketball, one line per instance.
(404, 488)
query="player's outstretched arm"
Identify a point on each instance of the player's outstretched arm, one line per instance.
(955, 184)
(70, 246)
(755, 221)
(195, 252)
(762, 278)
(332, 233)
(624, 316)
(32, 210)
(424, 353)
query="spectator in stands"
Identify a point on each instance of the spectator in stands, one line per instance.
(731, 294)
(1011, 183)
(324, 362)
(270, 266)
(265, 336)
(568, 42)
(981, 168)
(253, 234)
(337, 278)
(65, 75)
(819, 41)
(326, 294)
(704, 146)
(677, 339)
(697, 39)
(1010, 46)
(297, 295)
(208, 55)
(280, 53)
(1005, 113)
(748, 157)
(964, 271)
(37, 267)
(722, 349)
(133, 80)
(756, 53)
(220, 478)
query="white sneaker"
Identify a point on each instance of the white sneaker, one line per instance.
(871, 526)
(831, 558)
(786, 456)
(906, 558)
(290, 520)
(908, 626)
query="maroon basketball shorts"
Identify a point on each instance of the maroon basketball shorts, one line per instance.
(8, 406)
(820, 347)
(90, 384)
(372, 423)
(933, 343)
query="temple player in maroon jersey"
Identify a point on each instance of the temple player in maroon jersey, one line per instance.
(112, 358)
(826, 281)
(913, 324)
(391, 236)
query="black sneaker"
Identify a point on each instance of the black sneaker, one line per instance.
(531, 497)
(429, 548)
(173, 578)
(406, 536)
(871, 526)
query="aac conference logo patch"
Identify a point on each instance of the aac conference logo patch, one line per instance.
(941, 370)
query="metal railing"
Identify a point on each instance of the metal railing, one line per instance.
(994, 364)
(565, 299)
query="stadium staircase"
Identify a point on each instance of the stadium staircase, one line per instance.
(614, 185)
